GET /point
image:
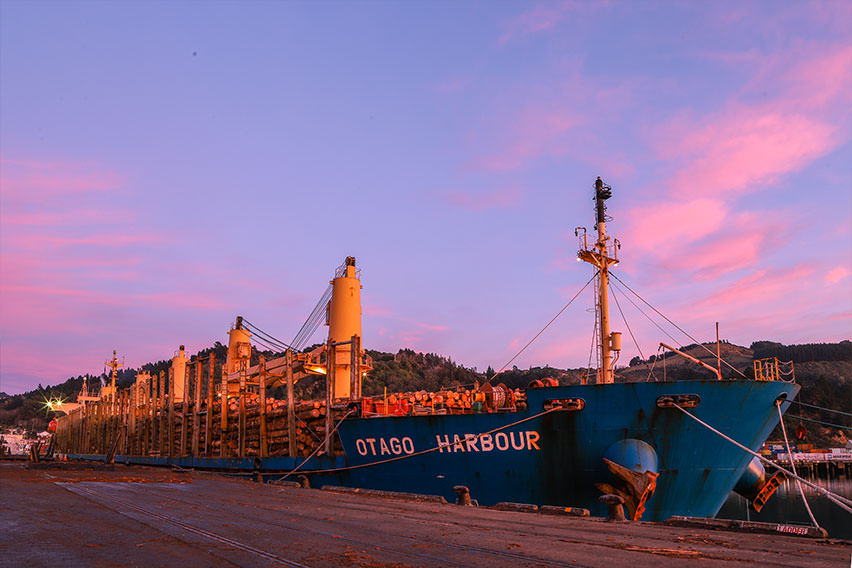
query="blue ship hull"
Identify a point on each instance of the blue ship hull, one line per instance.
(551, 459)
(556, 459)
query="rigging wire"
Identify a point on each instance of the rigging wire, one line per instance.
(819, 422)
(307, 328)
(822, 408)
(633, 337)
(313, 321)
(588, 369)
(308, 331)
(663, 331)
(675, 325)
(509, 362)
(259, 341)
(269, 337)
(263, 342)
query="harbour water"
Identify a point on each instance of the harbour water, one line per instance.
(786, 507)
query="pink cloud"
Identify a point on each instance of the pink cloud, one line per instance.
(744, 147)
(841, 316)
(412, 338)
(405, 331)
(432, 327)
(40, 311)
(44, 218)
(837, 274)
(28, 179)
(760, 287)
(27, 359)
(376, 310)
(747, 146)
(665, 227)
(53, 291)
(102, 240)
(506, 197)
(741, 149)
(183, 300)
(738, 245)
(823, 79)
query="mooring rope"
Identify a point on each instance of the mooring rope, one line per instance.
(838, 500)
(793, 464)
(313, 453)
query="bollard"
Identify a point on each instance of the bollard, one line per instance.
(256, 473)
(615, 507)
(463, 495)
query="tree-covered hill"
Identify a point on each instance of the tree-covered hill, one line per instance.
(824, 370)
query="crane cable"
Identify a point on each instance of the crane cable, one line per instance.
(313, 321)
(633, 337)
(270, 338)
(675, 325)
(565, 307)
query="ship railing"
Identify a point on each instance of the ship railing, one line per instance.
(611, 246)
(770, 369)
(340, 271)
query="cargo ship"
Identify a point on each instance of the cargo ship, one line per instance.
(650, 444)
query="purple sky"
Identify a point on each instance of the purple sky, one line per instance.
(168, 166)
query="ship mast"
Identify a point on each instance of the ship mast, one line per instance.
(114, 365)
(599, 256)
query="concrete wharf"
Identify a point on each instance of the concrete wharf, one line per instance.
(85, 514)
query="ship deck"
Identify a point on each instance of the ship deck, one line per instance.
(84, 514)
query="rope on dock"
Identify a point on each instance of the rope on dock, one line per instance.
(838, 500)
(793, 464)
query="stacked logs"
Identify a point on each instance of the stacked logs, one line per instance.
(310, 426)
(162, 429)
(446, 401)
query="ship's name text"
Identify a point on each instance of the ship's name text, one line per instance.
(501, 442)
(382, 447)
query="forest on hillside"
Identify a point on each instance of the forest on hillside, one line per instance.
(823, 369)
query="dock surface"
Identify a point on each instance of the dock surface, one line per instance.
(76, 514)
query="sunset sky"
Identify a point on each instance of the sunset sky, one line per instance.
(167, 166)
